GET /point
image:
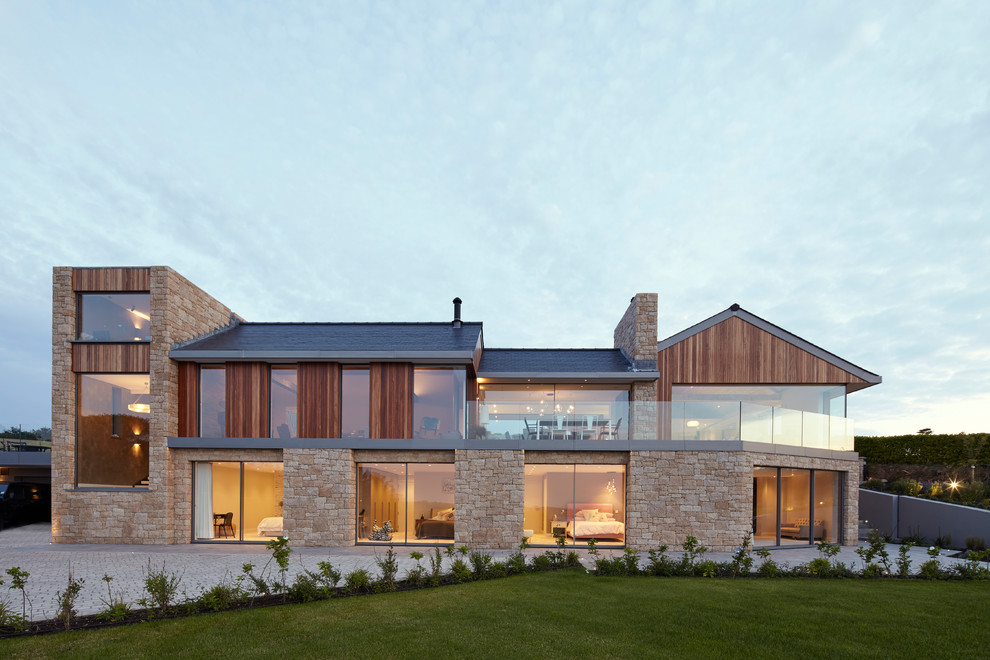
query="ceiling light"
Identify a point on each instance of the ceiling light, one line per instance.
(693, 423)
(140, 314)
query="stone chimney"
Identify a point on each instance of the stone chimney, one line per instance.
(636, 333)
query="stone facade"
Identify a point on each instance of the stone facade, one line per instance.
(179, 311)
(636, 333)
(709, 495)
(488, 496)
(320, 491)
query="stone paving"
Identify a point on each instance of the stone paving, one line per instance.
(203, 565)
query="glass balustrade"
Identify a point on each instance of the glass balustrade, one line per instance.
(677, 421)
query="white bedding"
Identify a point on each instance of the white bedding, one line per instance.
(270, 526)
(584, 528)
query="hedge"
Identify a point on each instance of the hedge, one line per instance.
(961, 449)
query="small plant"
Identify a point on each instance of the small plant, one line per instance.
(357, 581)
(261, 586)
(903, 561)
(115, 607)
(459, 571)
(67, 599)
(943, 540)
(742, 561)
(328, 575)
(593, 547)
(161, 587)
(416, 576)
(222, 596)
(706, 568)
(630, 558)
(768, 567)
(279, 547)
(389, 567)
(975, 543)
(18, 580)
(436, 567)
(660, 564)
(692, 552)
(931, 569)
(480, 564)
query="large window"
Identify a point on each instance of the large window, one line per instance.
(212, 401)
(115, 317)
(415, 499)
(112, 430)
(283, 398)
(355, 402)
(796, 507)
(236, 501)
(577, 502)
(438, 402)
(551, 411)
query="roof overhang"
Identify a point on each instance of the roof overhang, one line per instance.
(869, 377)
(432, 357)
(570, 376)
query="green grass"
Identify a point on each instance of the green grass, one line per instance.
(570, 613)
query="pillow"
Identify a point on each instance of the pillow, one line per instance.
(445, 514)
(587, 514)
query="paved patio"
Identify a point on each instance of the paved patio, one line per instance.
(203, 565)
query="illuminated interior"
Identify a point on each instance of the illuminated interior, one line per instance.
(237, 501)
(577, 502)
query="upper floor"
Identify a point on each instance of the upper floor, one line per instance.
(141, 339)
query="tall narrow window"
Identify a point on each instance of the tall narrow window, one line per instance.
(355, 402)
(116, 317)
(112, 430)
(212, 401)
(283, 396)
(438, 402)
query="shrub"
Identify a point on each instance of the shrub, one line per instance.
(279, 547)
(742, 561)
(498, 569)
(161, 587)
(768, 568)
(115, 608)
(459, 571)
(706, 568)
(222, 596)
(436, 567)
(903, 561)
(357, 581)
(931, 569)
(67, 599)
(606, 567)
(18, 580)
(389, 567)
(480, 564)
(660, 564)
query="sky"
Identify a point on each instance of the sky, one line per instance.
(826, 165)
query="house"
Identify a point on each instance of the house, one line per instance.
(176, 421)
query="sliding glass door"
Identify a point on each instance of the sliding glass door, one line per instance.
(237, 501)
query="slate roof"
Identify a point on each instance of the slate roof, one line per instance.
(326, 340)
(541, 362)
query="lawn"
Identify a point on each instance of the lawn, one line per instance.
(570, 613)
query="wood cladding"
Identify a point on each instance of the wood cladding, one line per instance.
(737, 352)
(391, 399)
(111, 358)
(319, 400)
(188, 399)
(111, 279)
(247, 400)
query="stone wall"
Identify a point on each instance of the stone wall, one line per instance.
(488, 495)
(636, 333)
(179, 311)
(320, 496)
(709, 495)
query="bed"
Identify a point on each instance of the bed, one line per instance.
(270, 526)
(440, 525)
(590, 520)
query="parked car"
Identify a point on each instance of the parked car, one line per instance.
(22, 503)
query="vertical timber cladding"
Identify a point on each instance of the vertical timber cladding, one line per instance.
(737, 352)
(130, 358)
(247, 400)
(391, 399)
(111, 279)
(319, 399)
(188, 400)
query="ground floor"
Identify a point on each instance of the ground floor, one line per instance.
(484, 498)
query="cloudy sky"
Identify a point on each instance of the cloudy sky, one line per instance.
(824, 164)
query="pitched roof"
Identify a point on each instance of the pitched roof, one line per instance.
(416, 341)
(560, 363)
(736, 311)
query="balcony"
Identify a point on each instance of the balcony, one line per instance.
(579, 422)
